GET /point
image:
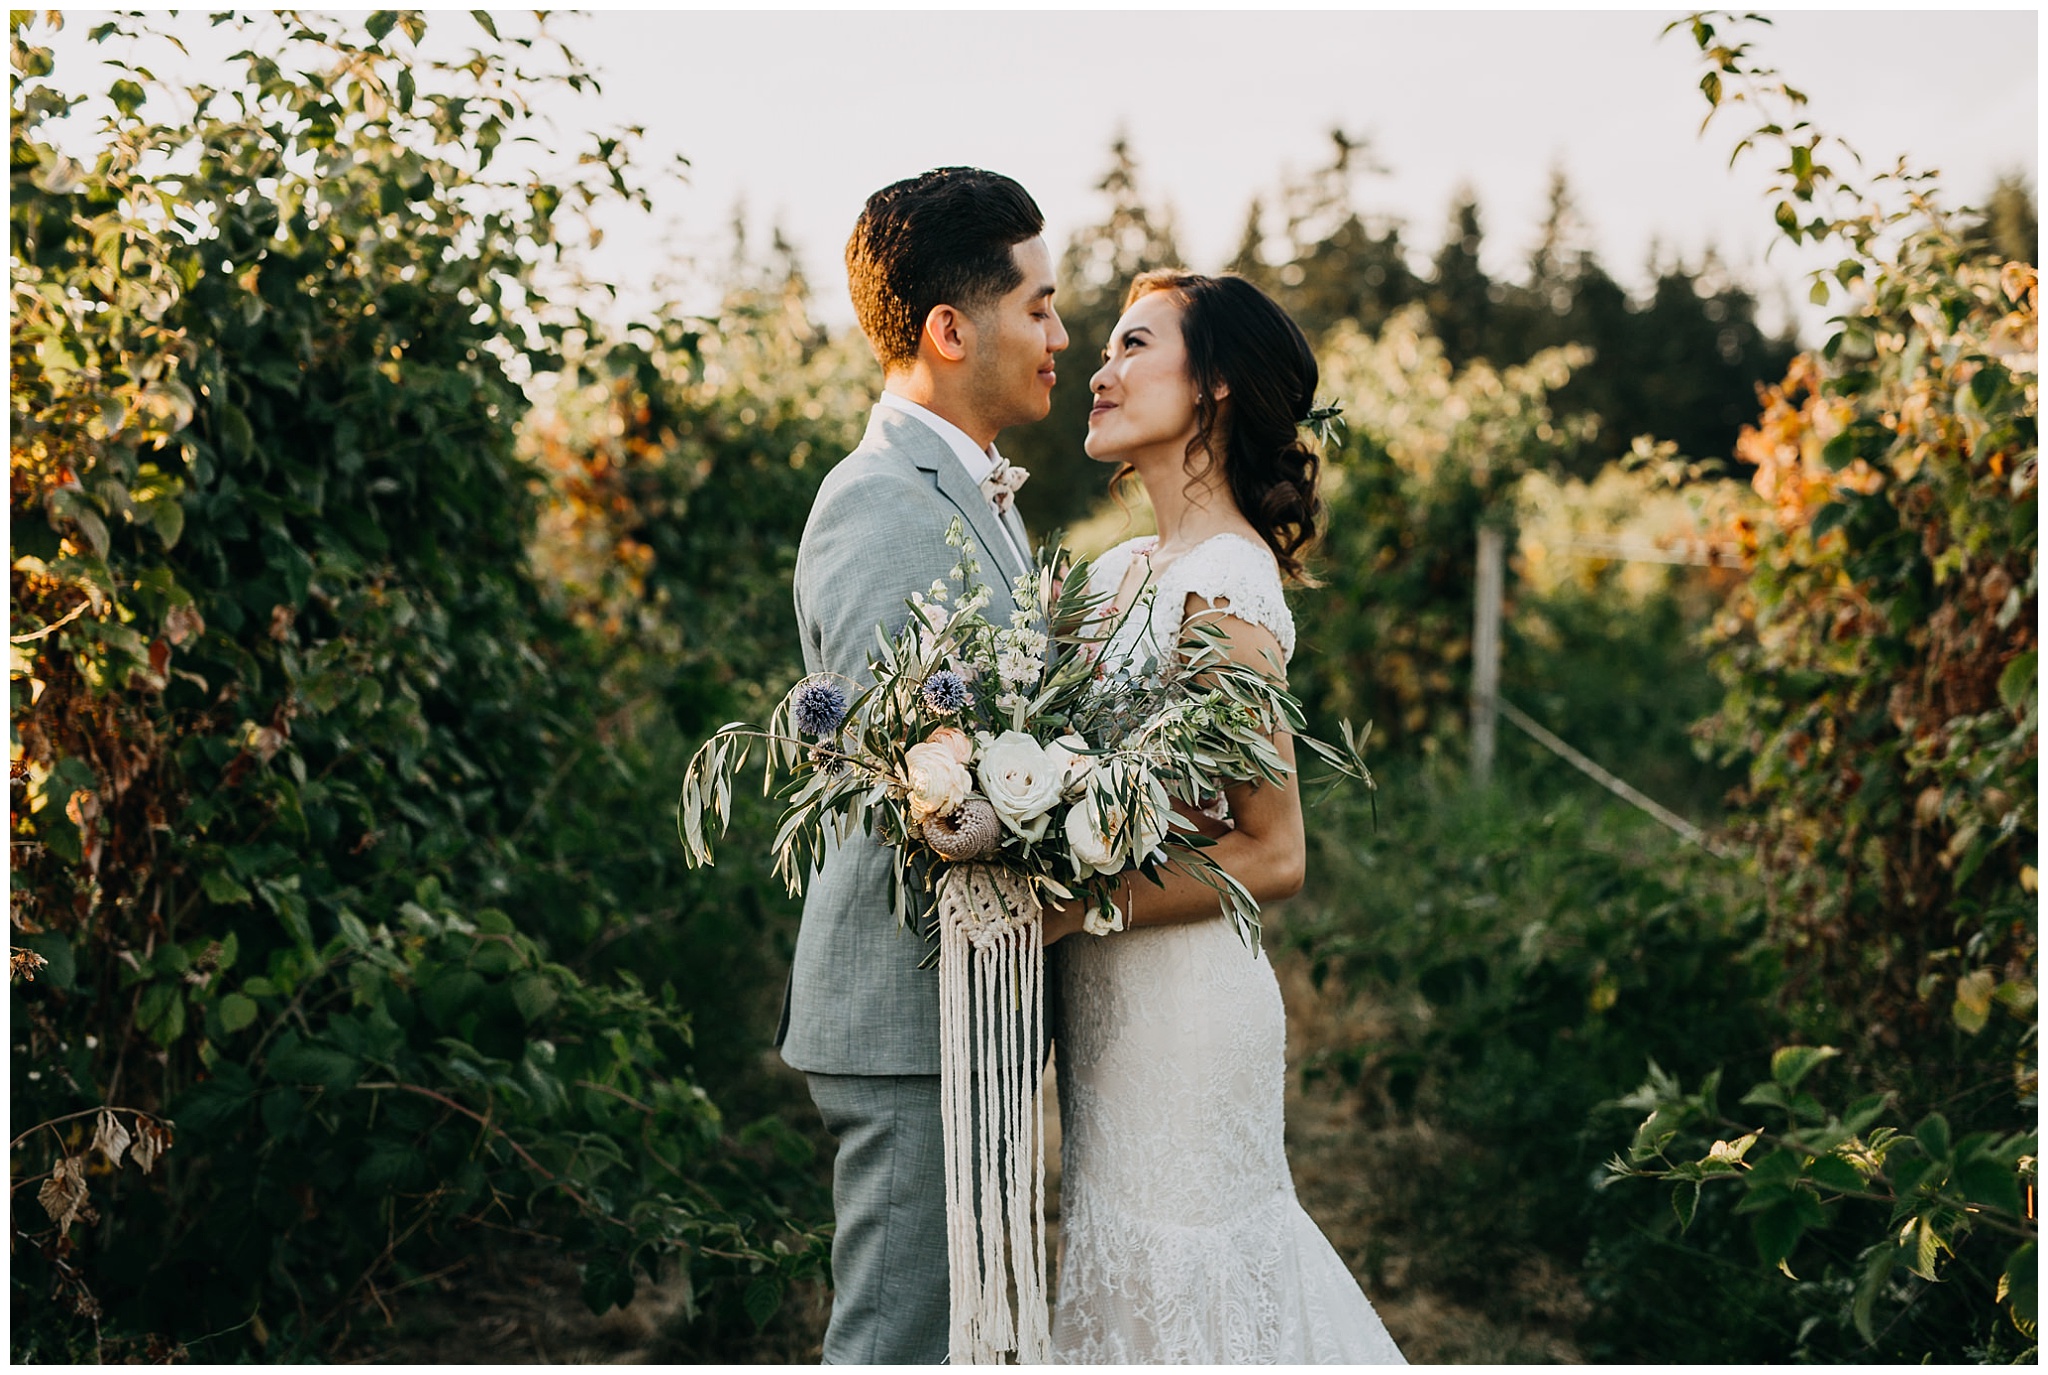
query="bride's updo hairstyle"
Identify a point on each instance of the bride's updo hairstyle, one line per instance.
(1238, 339)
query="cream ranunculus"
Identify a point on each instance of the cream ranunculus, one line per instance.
(954, 739)
(1021, 782)
(939, 782)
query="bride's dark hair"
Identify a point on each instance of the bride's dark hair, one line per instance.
(1238, 339)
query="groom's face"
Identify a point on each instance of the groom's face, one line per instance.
(1011, 366)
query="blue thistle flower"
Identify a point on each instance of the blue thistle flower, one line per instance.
(945, 692)
(819, 707)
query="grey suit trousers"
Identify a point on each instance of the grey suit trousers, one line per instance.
(889, 1275)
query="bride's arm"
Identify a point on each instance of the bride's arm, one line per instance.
(1266, 852)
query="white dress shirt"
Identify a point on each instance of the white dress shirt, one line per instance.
(978, 463)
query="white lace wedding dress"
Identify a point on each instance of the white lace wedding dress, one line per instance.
(1182, 1241)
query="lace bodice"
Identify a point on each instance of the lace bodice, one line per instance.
(1238, 574)
(1182, 1239)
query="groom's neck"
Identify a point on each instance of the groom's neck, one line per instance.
(946, 398)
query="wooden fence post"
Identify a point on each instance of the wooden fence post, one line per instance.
(1486, 651)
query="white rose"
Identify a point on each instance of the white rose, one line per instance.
(1020, 782)
(1101, 836)
(1096, 924)
(1093, 852)
(1074, 766)
(939, 782)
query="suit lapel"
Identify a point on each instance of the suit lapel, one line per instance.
(931, 453)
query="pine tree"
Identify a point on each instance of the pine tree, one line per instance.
(1460, 298)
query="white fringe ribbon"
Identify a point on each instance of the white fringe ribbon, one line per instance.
(992, 982)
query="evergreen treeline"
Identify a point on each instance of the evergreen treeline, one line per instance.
(1682, 364)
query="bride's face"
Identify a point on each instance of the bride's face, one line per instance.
(1144, 397)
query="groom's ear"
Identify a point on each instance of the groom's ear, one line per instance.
(947, 331)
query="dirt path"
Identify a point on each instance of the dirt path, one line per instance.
(526, 1307)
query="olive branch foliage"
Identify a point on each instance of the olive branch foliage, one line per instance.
(1182, 729)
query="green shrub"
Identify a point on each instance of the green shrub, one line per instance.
(1521, 957)
(289, 812)
(1880, 668)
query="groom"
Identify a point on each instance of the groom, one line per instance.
(953, 286)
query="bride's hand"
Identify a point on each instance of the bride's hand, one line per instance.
(1058, 921)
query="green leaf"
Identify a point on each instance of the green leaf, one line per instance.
(1839, 452)
(1781, 1167)
(1927, 1245)
(1685, 1201)
(1972, 1007)
(314, 1065)
(220, 886)
(379, 23)
(1933, 1136)
(2019, 1286)
(162, 1012)
(167, 517)
(62, 970)
(1877, 1268)
(1992, 1184)
(1833, 1172)
(535, 996)
(763, 1299)
(237, 1012)
(1830, 517)
(1777, 1228)
(607, 1282)
(1864, 1112)
(2016, 683)
(390, 1165)
(127, 96)
(485, 22)
(1792, 1063)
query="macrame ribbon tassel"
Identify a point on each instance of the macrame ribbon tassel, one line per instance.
(992, 1046)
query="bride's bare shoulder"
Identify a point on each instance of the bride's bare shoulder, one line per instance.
(1109, 565)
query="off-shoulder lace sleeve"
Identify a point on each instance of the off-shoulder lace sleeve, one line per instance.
(1240, 577)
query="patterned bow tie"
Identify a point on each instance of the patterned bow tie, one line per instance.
(1002, 482)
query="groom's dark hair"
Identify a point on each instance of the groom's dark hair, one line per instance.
(940, 239)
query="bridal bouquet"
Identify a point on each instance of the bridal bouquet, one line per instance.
(1009, 764)
(1017, 748)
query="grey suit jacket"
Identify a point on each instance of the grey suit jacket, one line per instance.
(857, 1003)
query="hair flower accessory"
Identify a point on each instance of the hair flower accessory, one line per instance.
(1326, 423)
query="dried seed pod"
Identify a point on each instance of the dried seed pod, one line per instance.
(969, 833)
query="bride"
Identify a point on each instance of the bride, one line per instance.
(1182, 1240)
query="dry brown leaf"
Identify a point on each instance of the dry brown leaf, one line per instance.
(63, 1193)
(182, 623)
(151, 1140)
(110, 1137)
(266, 741)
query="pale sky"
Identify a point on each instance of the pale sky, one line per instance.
(800, 115)
(803, 115)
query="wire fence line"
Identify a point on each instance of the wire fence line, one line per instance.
(1621, 788)
(1697, 553)
(1487, 703)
